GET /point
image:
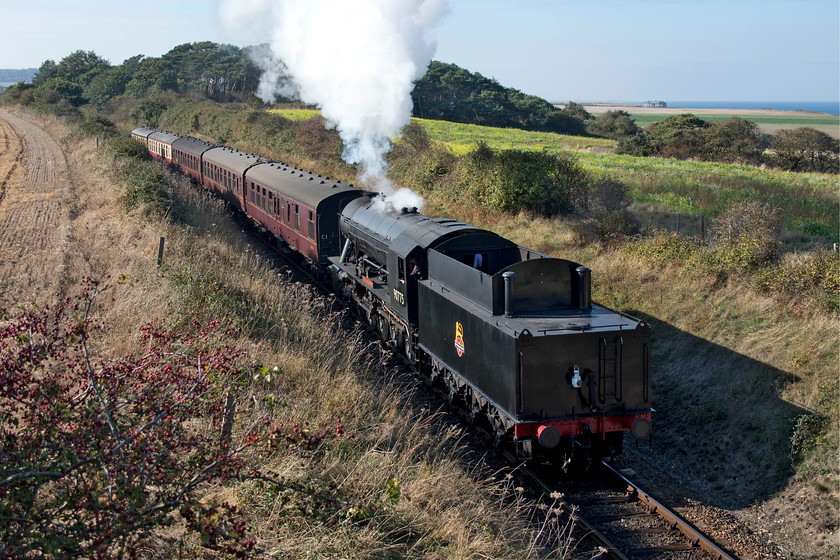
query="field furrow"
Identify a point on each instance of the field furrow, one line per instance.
(34, 216)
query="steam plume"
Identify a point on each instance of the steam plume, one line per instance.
(356, 59)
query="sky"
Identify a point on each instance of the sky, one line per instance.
(579, 50)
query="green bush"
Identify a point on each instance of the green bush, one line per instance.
(516, 180)
(613, 124)
(128, 147)
(98, 126)
(20, 92)
(146, 188)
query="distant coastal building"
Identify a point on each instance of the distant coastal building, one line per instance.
(657, 104)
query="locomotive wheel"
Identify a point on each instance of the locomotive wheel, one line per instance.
(394, 336)
(382, 327)
(472, 413)
(498, 438)
(409, 350)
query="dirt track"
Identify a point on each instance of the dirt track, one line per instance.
(34, 212)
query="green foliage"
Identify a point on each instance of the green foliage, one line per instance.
(734, 140)
(818, 228)
(638, 145)
(809, 433)
(418, 163)
(55, 90)
(806, 149)
(216, 71)
(151, 110)
(515, 180)
(80, 67)
(46, 71)
(146, 188)
(129, 148)
(20, 93)
(448, 92)
(98, 126)
(154, 75)
(678, 136)
(613, 124)
(106, 85)
(577, 111)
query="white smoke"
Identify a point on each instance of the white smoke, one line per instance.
(356, 59)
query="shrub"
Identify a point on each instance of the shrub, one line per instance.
(818, 229)
(806, 149)
(96, 455)
(98, 126)
(815, 276)
(55, 89)
(746, 237)
(20, 92)
(146, 188)
(516, 180)
(613, 124)
(603, 205)
(128, 147)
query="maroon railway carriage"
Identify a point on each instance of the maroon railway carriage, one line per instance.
(142, 133)
(299, 207)
(159, 144)
(224, 172)
(186, 154)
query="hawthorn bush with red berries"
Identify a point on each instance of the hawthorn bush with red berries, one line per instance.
(97, 454)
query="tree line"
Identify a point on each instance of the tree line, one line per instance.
(734, 140)
(447, 92)
(217, 72)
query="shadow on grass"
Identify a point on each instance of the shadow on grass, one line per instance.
(721, 429)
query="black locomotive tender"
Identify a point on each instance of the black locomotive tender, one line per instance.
(511, 333)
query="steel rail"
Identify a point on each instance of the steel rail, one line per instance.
(695, 536)
(590, 529)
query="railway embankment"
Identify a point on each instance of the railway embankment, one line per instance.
(745, 382)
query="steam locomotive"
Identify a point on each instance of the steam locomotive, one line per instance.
(510, 334)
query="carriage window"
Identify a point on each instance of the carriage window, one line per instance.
(310, 232)
(297, 218)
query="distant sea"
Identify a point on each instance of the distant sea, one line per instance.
(831, 107)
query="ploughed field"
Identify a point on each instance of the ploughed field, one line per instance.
(35, 187)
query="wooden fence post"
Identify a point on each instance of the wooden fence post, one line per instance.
(160, 251)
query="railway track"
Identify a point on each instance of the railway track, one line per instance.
(615, 518)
